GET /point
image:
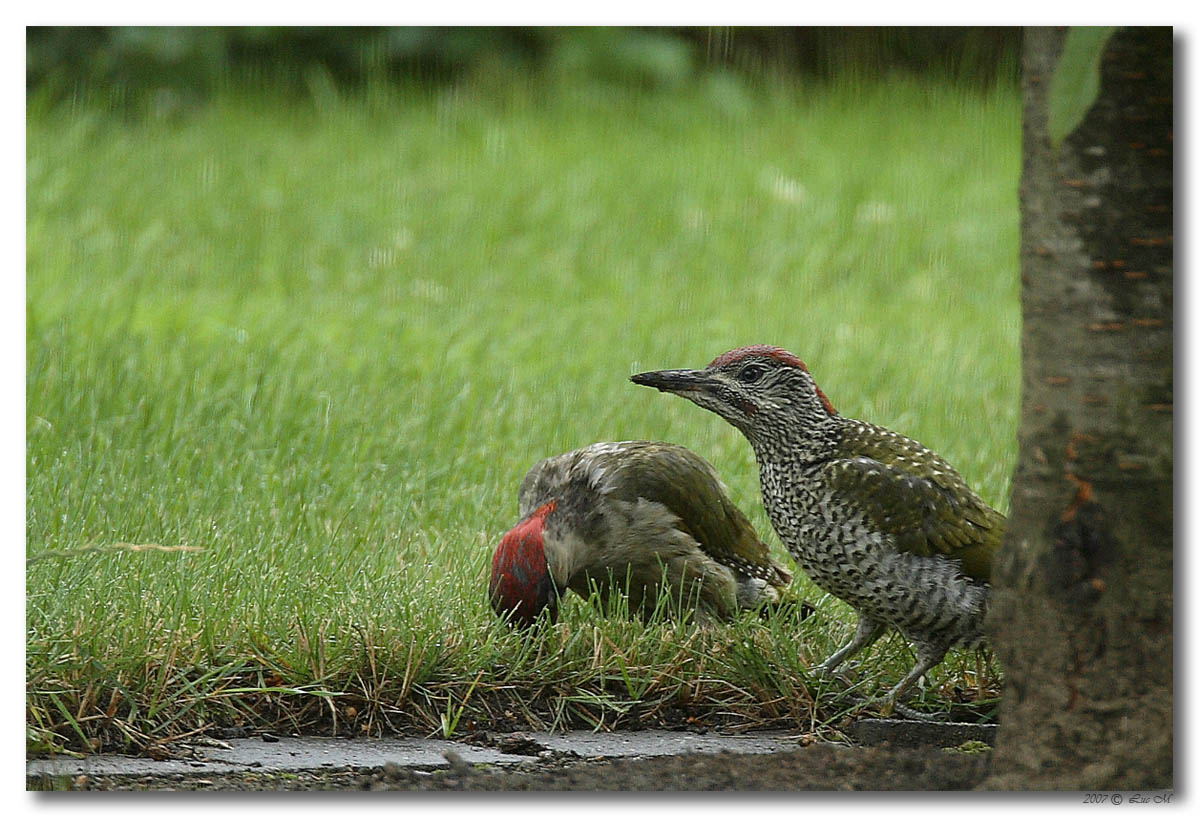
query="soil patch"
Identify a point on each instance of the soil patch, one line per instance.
(819, 766)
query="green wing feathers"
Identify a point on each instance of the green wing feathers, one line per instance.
(690, 488)
(909, 492)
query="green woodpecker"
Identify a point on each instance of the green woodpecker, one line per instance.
(638, 516)
(873, 517)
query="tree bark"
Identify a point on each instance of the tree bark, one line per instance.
(1082, 602)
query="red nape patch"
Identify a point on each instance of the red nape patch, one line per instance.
(545, 510)
(828, 403)
(520, 584)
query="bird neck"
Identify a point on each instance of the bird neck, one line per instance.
(795, 439)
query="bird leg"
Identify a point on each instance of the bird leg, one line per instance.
(867, 632)
(927, 657)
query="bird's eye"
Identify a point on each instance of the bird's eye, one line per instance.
(751, 373)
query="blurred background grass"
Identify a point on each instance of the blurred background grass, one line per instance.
(309, 326)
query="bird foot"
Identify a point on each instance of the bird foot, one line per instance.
(843, 671)
(887, 708)
(890, 708)
(887, 705)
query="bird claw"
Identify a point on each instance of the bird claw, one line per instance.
(891, 708)
(887, 707)
(839, 671)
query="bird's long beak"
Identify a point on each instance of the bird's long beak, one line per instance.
(674, 380)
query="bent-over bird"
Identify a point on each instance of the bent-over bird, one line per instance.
(873, 517)
(639, 516)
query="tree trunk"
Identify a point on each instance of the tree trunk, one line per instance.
(1082, 601)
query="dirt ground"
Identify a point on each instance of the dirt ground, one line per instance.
(817, 767)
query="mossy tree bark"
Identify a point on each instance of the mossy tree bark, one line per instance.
(1082, 601)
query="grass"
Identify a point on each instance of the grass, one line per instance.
(288, 362)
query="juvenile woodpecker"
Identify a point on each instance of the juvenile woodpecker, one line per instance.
(639, 516)
(873, 517)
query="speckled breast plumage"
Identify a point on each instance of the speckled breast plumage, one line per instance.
(926, 597)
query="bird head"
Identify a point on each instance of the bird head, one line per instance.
(521, 586)
(765, 391)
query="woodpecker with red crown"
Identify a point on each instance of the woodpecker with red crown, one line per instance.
(638, 516)
(873, 517)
